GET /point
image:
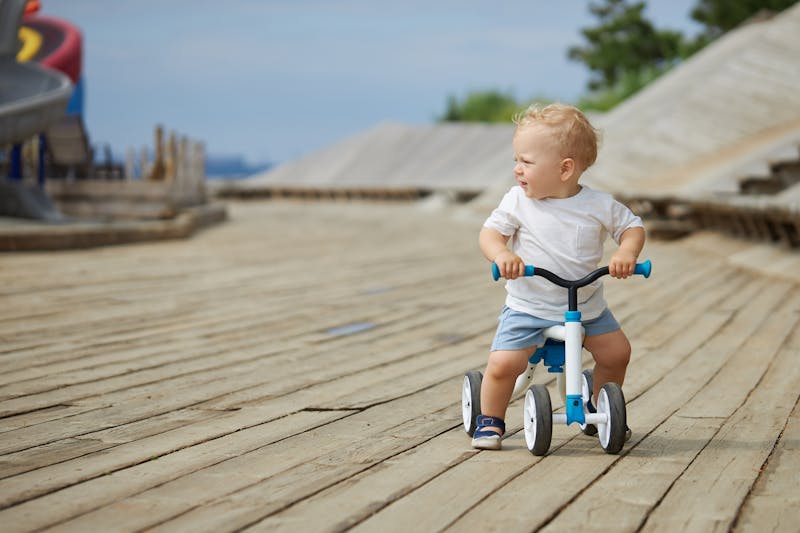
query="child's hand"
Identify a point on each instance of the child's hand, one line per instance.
(622, 264)
(510, 264)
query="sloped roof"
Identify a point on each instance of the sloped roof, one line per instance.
(452, 156)
(722, 115)
(735, 101)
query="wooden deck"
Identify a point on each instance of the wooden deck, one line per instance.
(299, 368)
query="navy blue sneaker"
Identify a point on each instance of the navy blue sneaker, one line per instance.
(486, 439)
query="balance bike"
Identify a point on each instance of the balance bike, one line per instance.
(561, 354)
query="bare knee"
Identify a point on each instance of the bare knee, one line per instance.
(506, 364)
(612, 350)
(617, 359)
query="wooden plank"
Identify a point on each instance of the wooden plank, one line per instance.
(349, 502)
(242, 503)
(712, 489)
(773, 504)
(131, 321)
(552, 481)
(54, 507)
(63, 450)
(515, 464)
(421, 413)
(185, 331)
(379, 384)
(149, 399)
(665, 454)
(263, 437)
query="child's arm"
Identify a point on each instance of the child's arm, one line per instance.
(623, 261)
(493, 244)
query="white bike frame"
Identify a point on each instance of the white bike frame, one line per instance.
(571, 333)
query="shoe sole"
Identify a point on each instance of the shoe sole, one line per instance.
(487, 443)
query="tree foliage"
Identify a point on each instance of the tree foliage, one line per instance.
(720, 16)
(623, 52)
(482, 106)
(624, 43)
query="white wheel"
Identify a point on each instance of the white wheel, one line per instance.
(471, 400)
(611, 402)
(538, 420)
(587, 382)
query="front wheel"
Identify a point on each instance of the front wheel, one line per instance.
(471, 400)
(611, 402)
(538, 420)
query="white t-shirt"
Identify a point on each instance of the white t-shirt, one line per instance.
(564, 236)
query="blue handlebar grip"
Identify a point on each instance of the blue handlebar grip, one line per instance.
(496, 271)
(643, 268)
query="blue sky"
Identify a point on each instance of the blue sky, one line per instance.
(275, 79)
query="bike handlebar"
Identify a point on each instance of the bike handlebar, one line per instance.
(642, 269)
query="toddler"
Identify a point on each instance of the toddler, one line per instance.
(557, 224)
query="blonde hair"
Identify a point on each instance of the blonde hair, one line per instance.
(573, 131)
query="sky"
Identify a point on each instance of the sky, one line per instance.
(273, 80)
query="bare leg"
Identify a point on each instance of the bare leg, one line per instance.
(498, 380)
(611, 352)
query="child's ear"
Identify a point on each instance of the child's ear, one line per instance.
(567, 168)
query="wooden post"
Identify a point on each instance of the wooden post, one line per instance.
(157, 171)
(130, 156)
(199, 169)
(170, 158)
(144, 163)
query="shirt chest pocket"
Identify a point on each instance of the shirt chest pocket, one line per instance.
(589, 244)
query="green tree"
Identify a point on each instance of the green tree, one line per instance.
(720, 16)
(623, 45)
(624, 52)
(484, 106)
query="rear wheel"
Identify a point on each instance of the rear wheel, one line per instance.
(471, 400)
(538, 420)
(611, 402)
(587, 384)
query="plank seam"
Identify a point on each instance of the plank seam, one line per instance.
(762, 469)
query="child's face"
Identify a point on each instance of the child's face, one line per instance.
(539, 167)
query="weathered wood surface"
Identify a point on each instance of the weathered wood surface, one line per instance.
(299, 368)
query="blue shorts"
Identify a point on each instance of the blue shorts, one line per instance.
(520, 330)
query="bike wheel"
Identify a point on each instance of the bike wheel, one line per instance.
(587, 383)
(471, 400)
(538, 420)
(611, 402)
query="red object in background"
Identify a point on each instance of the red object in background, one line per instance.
(32, 6)
(61, 45)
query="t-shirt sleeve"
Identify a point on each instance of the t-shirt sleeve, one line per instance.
(503, 218)
(622, 219)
